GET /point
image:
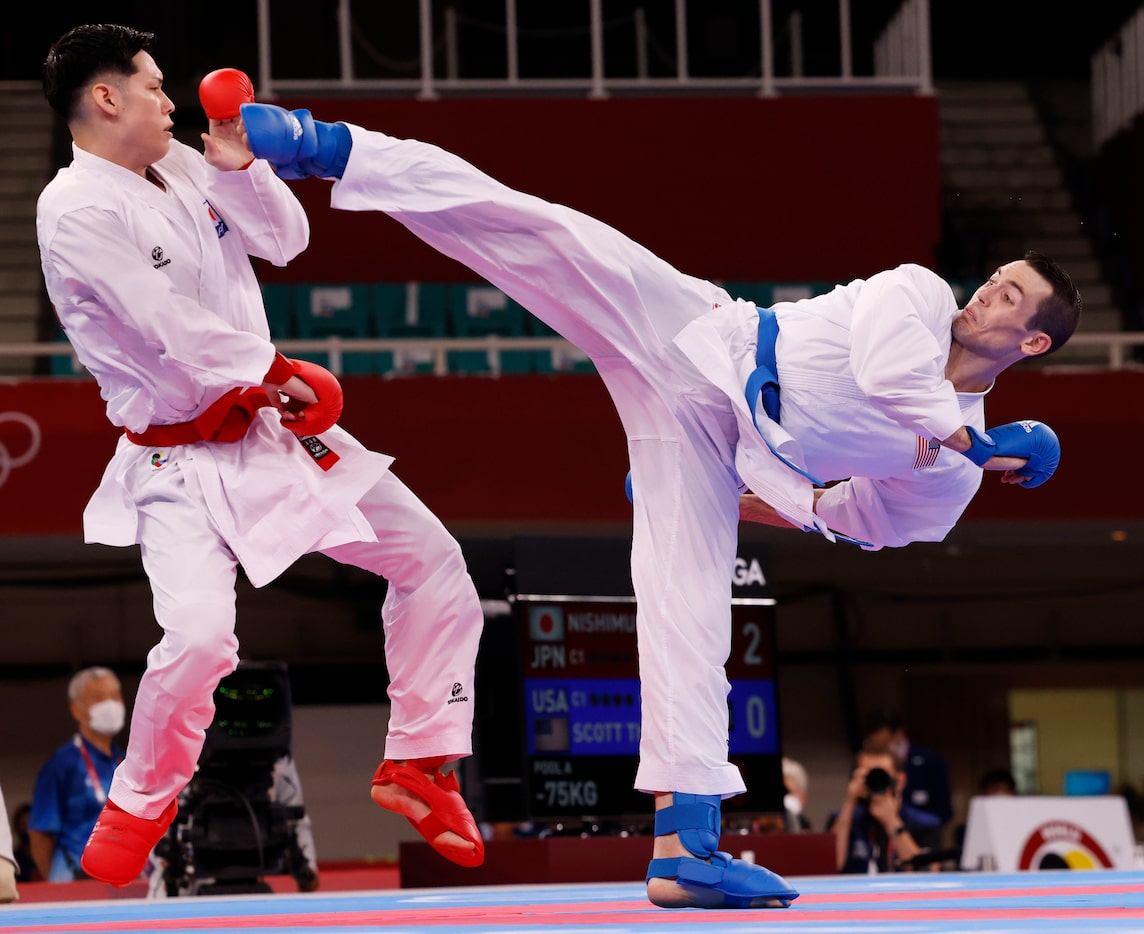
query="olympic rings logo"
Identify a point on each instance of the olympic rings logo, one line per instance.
(8, 461)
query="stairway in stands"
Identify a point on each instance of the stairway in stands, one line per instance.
(1003, 192)
(26, 125)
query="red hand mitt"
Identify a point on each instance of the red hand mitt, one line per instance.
(223, 92)
(321, 415)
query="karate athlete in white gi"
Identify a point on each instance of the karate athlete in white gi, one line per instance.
(882, 385)
(145, 248)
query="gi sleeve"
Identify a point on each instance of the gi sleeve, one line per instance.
(266, 213)
(899, 349)
(896, 511)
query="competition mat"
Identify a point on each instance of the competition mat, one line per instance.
(1076, 902)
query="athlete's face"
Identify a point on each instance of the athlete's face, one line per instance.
(994, 322)
(145, 112)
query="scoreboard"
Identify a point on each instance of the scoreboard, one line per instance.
(581, 703)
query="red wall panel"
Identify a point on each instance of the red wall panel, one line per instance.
(723, 188)
(529, 450)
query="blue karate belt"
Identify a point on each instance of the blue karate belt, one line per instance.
(764, 381)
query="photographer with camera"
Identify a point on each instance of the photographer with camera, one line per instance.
(874, 831)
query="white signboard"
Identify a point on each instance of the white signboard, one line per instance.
(1008, 834)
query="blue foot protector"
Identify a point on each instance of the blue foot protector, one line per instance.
(696, 818)
(714, 879)
(722, 883)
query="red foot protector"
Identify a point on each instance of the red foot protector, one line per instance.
(447, 809)
(120, 843)
(314, 418)
(223, 92)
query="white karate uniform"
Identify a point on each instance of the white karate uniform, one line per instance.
(865, 366)
(157, 295)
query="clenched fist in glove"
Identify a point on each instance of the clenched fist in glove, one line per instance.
(301, 415)
(295, 143)
(1034, 441)
(223, 92)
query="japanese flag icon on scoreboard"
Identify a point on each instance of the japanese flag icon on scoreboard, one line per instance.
(546, 623)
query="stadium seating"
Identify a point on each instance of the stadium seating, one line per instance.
(337, 310)
(484, 311)
(411, 310)
(561, 360)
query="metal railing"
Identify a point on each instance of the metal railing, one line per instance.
(1113, 350)
(436, 350)
(901, 54)
(1118, 80)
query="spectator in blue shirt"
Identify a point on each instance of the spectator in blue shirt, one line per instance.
(72, 786)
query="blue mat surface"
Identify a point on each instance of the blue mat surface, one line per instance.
(1077, 902)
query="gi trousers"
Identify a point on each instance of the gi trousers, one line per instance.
(431, 619)
(623, 306)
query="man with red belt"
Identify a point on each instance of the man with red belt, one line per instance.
(229, 454)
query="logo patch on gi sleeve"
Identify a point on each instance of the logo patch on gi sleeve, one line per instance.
(323, 456)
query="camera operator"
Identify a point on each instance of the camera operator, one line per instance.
(874, 831)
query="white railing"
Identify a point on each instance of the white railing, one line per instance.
(1118, 81)
(903, 49)
(1111, 350)
(435, 349)
(902, 56)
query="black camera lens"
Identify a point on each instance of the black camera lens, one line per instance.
(878, 781)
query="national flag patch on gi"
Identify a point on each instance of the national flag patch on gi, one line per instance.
(323, 456)
(219, 224)
(928, 450)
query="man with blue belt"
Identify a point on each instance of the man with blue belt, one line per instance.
(882, 386)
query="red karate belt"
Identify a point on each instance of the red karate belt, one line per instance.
(227, 419)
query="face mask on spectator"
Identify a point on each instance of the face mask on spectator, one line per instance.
(107, 717)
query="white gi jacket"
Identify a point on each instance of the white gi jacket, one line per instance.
(864, 401)
(862, 371)
(156, 293)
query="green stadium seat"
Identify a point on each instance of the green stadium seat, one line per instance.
(765, 294)
(278, 299)
(483, 311)
(567, 359)
(822, 286)
(65, 364)
(338, 310)
(757, 292)
(792, 291)
(963, 291)
(411, 310)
